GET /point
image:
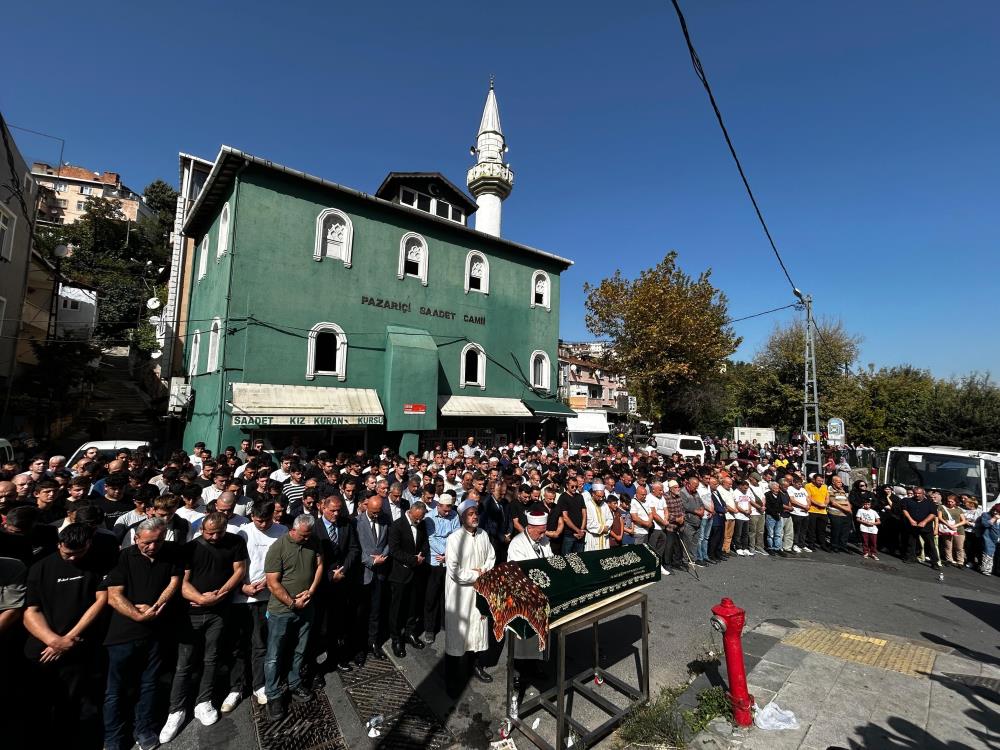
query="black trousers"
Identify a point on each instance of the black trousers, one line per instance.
(248, 635)
(434, 600)
(840, 531)
(657, 541)
(816, 532)
(331, 627)
(741, 535)
(672, 553)
(930, 543)
(715, 540)
(199, 649)
(404, 608)
(65, 708)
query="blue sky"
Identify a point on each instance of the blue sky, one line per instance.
(868, 130)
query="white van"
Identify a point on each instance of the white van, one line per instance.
(689, 446)
(106, 449)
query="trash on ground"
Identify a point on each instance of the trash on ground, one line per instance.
(771, 718)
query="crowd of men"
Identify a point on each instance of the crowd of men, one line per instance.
(134, 591)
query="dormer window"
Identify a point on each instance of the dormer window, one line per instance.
(431, 205)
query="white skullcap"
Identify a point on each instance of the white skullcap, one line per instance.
(537, 519)
(466, 504)
(596, 486)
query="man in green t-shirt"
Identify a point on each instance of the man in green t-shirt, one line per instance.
(294, 569)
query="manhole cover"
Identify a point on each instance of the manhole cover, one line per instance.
(380, 689)
(307, 726)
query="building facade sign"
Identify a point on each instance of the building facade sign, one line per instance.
(263, 420)
(431, 312)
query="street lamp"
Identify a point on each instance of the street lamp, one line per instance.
(60, 251)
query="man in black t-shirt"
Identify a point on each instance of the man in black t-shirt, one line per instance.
(920, 514)
(574, 514)
(140, 589)
(115, 502)
(63, 619)
(214, 565)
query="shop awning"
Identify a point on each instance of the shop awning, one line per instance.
(546, 407)
(588, 421)
(482, 406)
(266, 404)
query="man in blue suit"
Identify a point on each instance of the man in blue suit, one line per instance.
(373, 536)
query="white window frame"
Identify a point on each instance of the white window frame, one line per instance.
(484, 282)
(341, 372)
(547, 302)
(546, 383)
(401, 273)
(195, 353)
(60, 187)
(480, 381)
(203, 258)
(29, 184)
(223, 244)
(320, 243)
(214, 340)
(452, 208)
(87, 190)
(7, 249)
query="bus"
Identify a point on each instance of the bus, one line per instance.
(948, 469)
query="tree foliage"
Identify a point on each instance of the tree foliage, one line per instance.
(670, 335)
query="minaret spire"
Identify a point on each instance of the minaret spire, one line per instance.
(490, 180)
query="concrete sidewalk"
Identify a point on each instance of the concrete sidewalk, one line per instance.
(851, 689)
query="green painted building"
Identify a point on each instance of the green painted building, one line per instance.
(356, 320)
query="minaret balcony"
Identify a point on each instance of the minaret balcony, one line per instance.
(490, 177)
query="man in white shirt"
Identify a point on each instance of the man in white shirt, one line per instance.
(248, 613)
(283, 473)
(216, 488)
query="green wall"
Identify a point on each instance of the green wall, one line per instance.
(277, 283)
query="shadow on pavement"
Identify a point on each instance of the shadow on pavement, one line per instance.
(965, 651)
(988, 612)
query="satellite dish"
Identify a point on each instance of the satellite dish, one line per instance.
(156, 355)
(153, 303)
(154, 320)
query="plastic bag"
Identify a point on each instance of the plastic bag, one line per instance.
(771, 718)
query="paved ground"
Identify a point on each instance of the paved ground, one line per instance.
(960, 615)
(917, 697)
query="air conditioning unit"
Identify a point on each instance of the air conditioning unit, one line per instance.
(180, 395)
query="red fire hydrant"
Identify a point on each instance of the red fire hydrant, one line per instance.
(729, 620)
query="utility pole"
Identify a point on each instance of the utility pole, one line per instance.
(810, 400)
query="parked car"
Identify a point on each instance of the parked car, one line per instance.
(106, 449)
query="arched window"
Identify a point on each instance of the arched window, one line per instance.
(413, 257)
(223, 232)
(477, 273)
(540, 370)
(541, 290)
(194, 354)
(203, 259)
(334, 236)
(213, 346)
(473, 366)
(327, 353)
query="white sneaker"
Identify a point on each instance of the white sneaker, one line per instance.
(796, 549)
(173, 725)
(204, 713)
(749, 553)
(261, 696)
(806, 549)
(664, 570)
(231, 701)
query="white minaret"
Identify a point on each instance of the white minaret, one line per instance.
(490, 180)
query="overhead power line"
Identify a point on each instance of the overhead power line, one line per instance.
(700, 72)
(766, 312)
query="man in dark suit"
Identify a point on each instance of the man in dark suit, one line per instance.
(409, 551)
(373, 535)
(338, 539)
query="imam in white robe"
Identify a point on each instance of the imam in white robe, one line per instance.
(599, 518)
(465, 628)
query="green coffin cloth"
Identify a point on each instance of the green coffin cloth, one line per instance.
(525, 596)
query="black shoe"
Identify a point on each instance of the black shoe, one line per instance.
(360, 659)
(377, 652)
(936, 566)
(399, 649)
(781, 553)
(344, 667)
(414, 641)
(481, 674)
(700, 564)
(301, 695)
(276, 710)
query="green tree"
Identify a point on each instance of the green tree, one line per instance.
(669, 333)
(963, 413)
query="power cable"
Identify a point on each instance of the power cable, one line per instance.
(766, 312)
(700, 72)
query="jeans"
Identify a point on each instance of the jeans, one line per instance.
(572, 544)
(772, 538)
(923, 536)
(130, 665)
(286, 632)
(66, 700)
(199, 641)
(704, 534)
(249, 641)
(989, 540)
